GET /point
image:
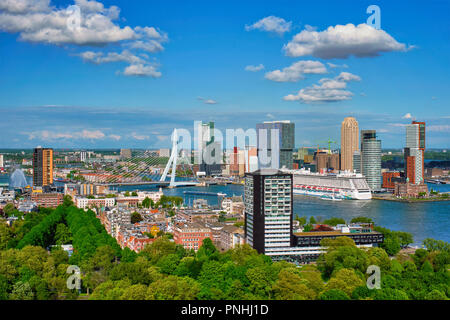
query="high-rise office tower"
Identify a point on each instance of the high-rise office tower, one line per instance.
(42, 167)
(1, 161)
(357, 162)
(349, 142)
(211, 150)
(268, 210)
(414, 152)
(371, 158)
(284, 146)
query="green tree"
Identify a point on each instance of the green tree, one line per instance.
(334, 221)
(436, 245)
(361, 220)
(341, 253)
(334, 294)
(379, 257)
(9, 209)
(136, 217)
(22, 291)
(4, 287)
(345, 280)
(5, 234)
(62, 234)
(391, 245)
(301, 220)
(135, 292)
(173, 288)
(148, 203)
(390, 294)
(290, 286)
(158, 249)
(435, 295)
(67, 202)
(169, 263)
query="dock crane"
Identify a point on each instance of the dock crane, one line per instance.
(329, 142)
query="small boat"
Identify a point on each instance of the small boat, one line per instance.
(220, 194)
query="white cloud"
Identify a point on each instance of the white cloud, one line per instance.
(254, 68)
(329, 90)
(271, 24)
(407, 116)
(207, 101)
(40, 22)
(139, 136)
(296, 71)
(52, 135)
(114, 137)
(149, 46)
(332, 65)
(21, 6)
(342, 41)
(139, 66)
(100, 57)
(96, 134)
(141, 70)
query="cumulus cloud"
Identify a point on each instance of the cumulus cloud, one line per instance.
(100, 57)
(252, 68)
(139, 65)
(342, 41)
(88, 23)
(407, 116)
(139, 136)
(52, 135)
(141, 70)
(328, 90)
(115, 137)
(333, 66)
(271, 24)
(296, 71)
(207, 101)
(21, 6)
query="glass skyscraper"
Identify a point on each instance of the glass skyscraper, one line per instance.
(285, 145)
(371, 159)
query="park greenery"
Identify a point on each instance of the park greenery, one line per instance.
(34, 266)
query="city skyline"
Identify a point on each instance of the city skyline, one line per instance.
(154, 70)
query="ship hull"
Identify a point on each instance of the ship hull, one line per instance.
(348, 195)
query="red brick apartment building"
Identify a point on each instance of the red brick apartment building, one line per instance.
(191, 236)
(47, 200)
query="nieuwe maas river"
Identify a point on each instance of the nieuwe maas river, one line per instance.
(423, 220)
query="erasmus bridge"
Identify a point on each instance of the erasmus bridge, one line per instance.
(137, 171)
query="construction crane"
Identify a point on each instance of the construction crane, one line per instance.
(329, 142)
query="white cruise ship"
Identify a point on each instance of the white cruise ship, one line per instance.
(330, 186)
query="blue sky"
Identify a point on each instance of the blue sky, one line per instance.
(132, 75)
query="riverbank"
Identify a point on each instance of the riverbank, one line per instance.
(408, 200)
